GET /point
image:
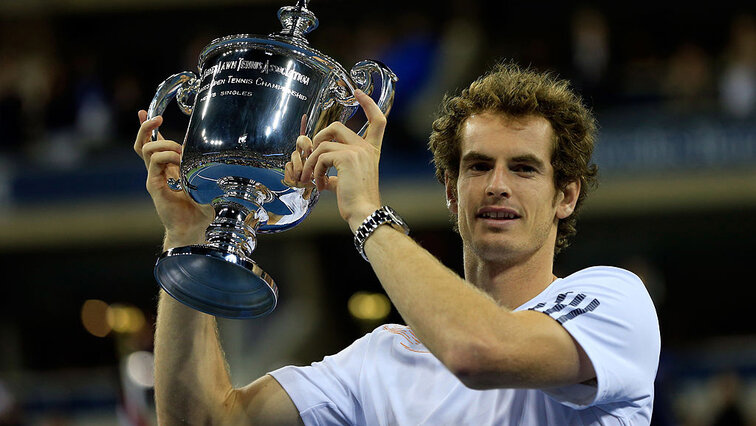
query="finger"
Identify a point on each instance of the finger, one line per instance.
(143, 117)
(303, 125)
(289, 174)
(375, 117)
(332, 183)
(308, 170)
(338, 132)
(292, 183)
(160, 160)
(142, 114)
(320, 172)
(322, 182)
(304, 146)
(162, 145)
(144, 134)
(151, 148)
(296, 166)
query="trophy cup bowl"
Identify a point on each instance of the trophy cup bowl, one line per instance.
(252, 98)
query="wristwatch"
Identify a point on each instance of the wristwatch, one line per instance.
(382, 216)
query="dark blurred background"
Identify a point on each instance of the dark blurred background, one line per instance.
(673, 87)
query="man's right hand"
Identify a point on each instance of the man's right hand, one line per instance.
(185, 221)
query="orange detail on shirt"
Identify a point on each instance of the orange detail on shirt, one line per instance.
(414, 343)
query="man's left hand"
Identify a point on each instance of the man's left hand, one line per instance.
(355, 159)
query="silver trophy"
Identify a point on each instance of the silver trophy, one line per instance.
(253, 96)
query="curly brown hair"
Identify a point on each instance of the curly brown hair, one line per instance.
(516, 92)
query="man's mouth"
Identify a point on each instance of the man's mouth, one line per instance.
(498, 214)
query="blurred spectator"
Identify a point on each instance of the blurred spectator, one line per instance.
(737, 84)
(590, 51)
(641, 69)
(459, 49)
(10, 413)
(78, 117)
(11, 109)
(26, 57)
(727, 389)
(687, 84)
(411, 54)
(55, 146)
(650, 274)
(92, 106)
(128, 98)
(693, 403)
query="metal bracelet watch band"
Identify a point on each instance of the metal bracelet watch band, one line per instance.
(382, 216)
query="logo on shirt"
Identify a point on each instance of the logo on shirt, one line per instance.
(410, 341)
(566, 307)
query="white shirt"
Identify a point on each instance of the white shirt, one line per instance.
(388, 377)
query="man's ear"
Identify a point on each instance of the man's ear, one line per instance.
(568, 199)
(451, 193)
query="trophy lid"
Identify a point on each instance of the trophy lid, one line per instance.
(297, 20)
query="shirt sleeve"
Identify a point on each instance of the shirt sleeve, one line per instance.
(610, 314)
(326, 392)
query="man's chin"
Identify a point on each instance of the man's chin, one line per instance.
(495, 250)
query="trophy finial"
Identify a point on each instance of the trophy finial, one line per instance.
(297, 20)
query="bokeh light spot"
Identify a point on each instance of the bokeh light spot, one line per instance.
(140, 368)
(125, 319)
(94, 317)
(369, 306)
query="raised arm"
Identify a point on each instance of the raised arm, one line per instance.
(484, 344)
(192, 383)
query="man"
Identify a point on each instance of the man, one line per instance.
(509, 344)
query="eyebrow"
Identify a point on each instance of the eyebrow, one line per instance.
(475, 156)
(531, 159)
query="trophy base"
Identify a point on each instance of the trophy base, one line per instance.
(216, 282)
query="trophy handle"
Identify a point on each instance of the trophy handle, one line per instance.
(182, 86)
(362, 75)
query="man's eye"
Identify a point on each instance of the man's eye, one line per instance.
(524, 168)
(479, 167)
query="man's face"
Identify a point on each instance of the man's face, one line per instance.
(505, 199)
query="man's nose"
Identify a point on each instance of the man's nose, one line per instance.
(498, 185)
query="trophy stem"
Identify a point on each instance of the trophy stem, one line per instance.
(235, 228)
(238, 214)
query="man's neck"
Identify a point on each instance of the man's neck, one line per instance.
(512, 282)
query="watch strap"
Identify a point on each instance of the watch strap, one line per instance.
(384, 215)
